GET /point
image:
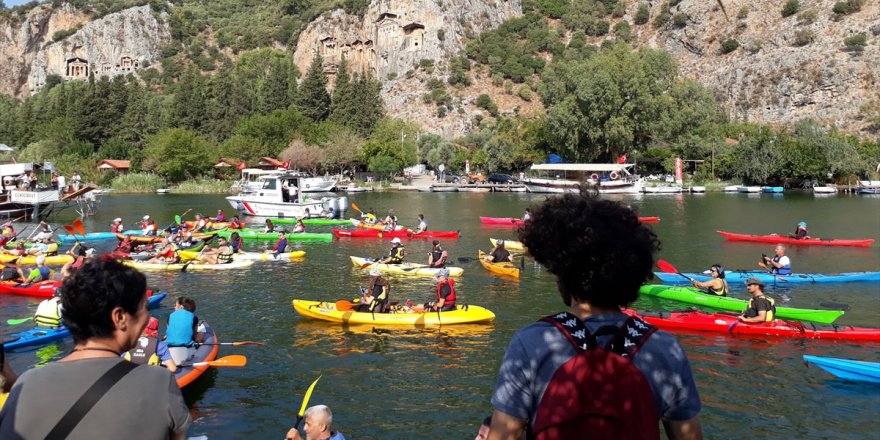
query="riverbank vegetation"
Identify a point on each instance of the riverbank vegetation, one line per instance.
(177, 120)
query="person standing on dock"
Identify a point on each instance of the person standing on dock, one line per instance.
(77, 181)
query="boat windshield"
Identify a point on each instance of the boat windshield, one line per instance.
(270, 184)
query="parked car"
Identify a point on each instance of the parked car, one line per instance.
(454, 178)
(501, 178)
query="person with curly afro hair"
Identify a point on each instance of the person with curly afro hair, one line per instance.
(601, 255)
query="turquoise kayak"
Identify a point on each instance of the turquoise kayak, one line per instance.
(847, 369)
(740, 276)
(92, 236)
(42, 336)
(690, 295)
(258, 234)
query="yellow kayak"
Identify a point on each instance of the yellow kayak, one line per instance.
(510, 245)
(32, 259)
(410, 269)
(326, 311)
(364, 225)
(140, 265)
(254, 256)
(506, 268)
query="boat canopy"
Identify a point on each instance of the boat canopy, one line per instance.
(599, 167)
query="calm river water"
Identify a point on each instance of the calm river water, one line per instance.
(436, 383)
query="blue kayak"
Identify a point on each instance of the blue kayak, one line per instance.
(772, 189)
(738, 276)
(41, 336)
(847, 369)
(93, 236)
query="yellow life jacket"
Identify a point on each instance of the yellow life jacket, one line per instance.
(49, 313)
(771, 314)
(144, 353)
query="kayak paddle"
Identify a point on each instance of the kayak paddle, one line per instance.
(344, 306)
(70, 231)
(302, 409)
(355, 207)
(18, 321)
(78, 226)
(667, 267)
(236, 344)
(235, 360)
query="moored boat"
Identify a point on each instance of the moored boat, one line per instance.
(325, 311)
(689, 295)
(568, 177)
(281, 195)
(861, 371)
(776, 239)
(409, 269)
(722, 323)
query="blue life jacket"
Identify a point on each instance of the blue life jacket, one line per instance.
(180, 328)
(784, 270)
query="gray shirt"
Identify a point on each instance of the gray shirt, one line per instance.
(537, 351)
(145, 404)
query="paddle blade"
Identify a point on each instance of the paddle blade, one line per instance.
(235, 360)
(344, 306)
(70, 230)
(355, 207)
(366, 265)
(177, 219)
(308, 396)
(666, 266)
(237, 344)
(18, 321)
(78, 226)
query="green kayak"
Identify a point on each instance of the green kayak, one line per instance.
(258, 234)
(691, 295)
(311, 221)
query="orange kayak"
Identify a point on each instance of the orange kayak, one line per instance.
(506, 268)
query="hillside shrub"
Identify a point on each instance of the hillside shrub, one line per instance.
(643, 14)
(623, 31)
(803, 37)
(807, 17)
(679, 20)
(485, 102)
(791, 7)
(729, 45)
(856, 43)
(524, 92)
(138, 183)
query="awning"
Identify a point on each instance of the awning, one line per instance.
(586, 167)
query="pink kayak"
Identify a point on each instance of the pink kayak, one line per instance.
(514, 222)
(372, 233)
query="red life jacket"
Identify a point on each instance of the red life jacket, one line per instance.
(450, 299)
(598, 391)
(116, 228)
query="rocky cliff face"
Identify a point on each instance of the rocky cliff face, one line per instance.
(786, 68)
(117, 44)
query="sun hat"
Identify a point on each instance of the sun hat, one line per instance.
(375, 272)
(152, 328)
(41, 259)
(754, 280)
(395, 240)
(442, 273)
(90, 252)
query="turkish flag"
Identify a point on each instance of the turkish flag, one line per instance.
(241, 166)
(286, 165)
(622, 159)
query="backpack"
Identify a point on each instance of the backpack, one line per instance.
(599, 393)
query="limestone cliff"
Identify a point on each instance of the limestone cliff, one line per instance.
(116, 44)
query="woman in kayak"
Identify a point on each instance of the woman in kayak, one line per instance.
(299, 227)
(236, 223)
(717, 285)
(270, 227)
(374, 299)
(221, 255)
(800, 232)
(235, 241)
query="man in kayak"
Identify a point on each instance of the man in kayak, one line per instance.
(437, 257)
(369, 218)
(331, 213)
(221, 255)
(221, 217)
(150, 350)
(780, 264)
(236, 223)
(396, 254)
(527, 215)
(200, 224)
(374, 299)
(117, 227)
(800, 232)
(45, 233)
(761, 308)
(717, 285)
(318, 425)
(37, 274)
(499, 254)
(422, 226)
(280, 245)
(642, 374)
(445, 293)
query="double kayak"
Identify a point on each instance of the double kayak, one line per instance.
(776, 239)
(510, 245)
(41, 336)
(737, 276)
(378, 226)
(410, 269)
(212, 226)
(251, 256)
(505, 268)
(721, 323)
(205, 352)
(40, 289)
(311, 221)
(847, 369)
(372, 233)
(53, 260)
(463, 314)
(689, 295)
(515, 222)
(258, 234)
(140, 265)
(94, 236)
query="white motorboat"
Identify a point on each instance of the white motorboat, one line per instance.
(731, 189)
(824, 190)
(748, 189)
(251, 180)
(281, 195)
(662, 189)
(567, 177)
(698, 189)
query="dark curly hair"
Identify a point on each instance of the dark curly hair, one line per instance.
(599, 251)
(91, 293)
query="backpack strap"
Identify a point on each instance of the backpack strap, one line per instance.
(573, 329)
(88, 400)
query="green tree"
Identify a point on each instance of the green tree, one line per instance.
(312, 99)
(178, 154)
(394, 139)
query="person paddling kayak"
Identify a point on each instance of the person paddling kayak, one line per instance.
(800, 232)
(717, 285)
(221, 255)
(437, 257)
(780, 264)
(499, 254)
(374, 299)
(761, 308)
(396, 254)
(280, 245)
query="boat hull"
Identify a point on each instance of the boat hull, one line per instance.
(847, 369)
(248, 206)
(739, 276)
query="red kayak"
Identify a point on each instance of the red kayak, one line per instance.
(372, 233)
(721, 323)
(41, 289)
(513, 222)
(775, 239)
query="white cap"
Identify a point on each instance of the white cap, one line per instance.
(117, 219)
(41, 259)
(90, 252)
(395, 240)
(146, 217)
(375, 272)
(442, 273)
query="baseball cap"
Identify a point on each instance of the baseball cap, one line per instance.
(375, 272)
(395, 240)
(754, 280)
(117, 219)
(802, 224)
(41, 259)
(146, 217)
(442, 273)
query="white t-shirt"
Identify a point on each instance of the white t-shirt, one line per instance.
(784, 261)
